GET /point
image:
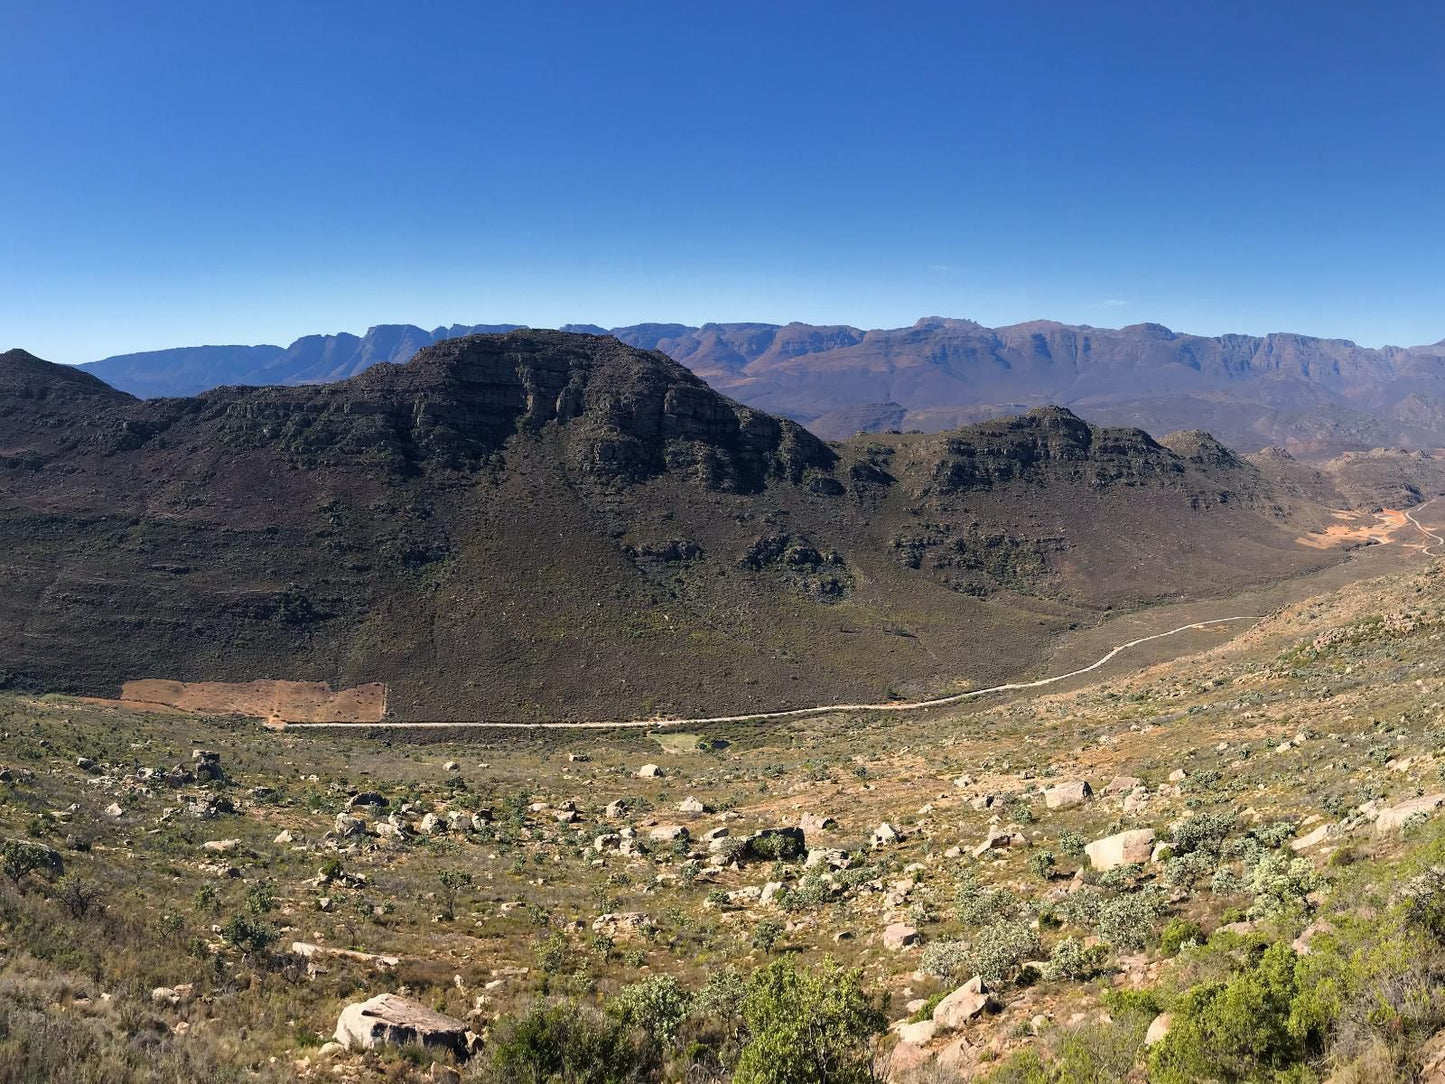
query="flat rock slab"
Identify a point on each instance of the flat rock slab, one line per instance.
(1395, 816)
(389, 1019)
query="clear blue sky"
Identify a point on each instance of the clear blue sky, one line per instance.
(182, 173)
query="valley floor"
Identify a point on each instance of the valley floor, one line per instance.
(1277, 917)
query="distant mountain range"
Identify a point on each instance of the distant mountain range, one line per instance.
(1306, 394)
(311, 359)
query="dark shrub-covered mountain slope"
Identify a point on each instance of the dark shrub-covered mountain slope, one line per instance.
(542, 524)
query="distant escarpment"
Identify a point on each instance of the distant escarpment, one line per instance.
(1315, 396)
(546, 524)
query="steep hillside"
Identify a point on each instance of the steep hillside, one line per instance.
(546, 524)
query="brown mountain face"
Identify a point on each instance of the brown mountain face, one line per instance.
(1310, 395)
(546, 524)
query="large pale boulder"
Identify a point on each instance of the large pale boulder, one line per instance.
(1124, 848)
(961, 1006)
(1064, 795)
(1158, 1028)
(389, 1019)
(1394, 817)
(898, 936)
(1432, 1059)
(919, 1033)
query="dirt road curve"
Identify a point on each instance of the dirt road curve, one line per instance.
(1427, 531)
(796, 713)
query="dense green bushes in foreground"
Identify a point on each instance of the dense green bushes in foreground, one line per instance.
(1354, 1006)
(783, 1025)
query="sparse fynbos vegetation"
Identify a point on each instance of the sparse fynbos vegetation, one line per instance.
(837, 899)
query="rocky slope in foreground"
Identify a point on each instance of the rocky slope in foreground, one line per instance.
(544, 524)
(1228, 866)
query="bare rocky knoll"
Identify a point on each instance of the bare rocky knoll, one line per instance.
(541, 524)
(1311, 395)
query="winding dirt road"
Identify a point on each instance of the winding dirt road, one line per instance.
(1439, 541)
(793, 713)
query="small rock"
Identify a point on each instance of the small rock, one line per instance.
(885, 834)
(622, 924)
(1123, 784)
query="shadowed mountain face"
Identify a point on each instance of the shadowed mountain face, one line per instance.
(550, 524)
(1309, 395)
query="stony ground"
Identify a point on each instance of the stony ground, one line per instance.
(1063, 887)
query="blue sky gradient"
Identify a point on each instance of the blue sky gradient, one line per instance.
(181, 173)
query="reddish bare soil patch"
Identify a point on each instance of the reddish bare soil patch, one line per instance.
(1357, 528)
(274, 702)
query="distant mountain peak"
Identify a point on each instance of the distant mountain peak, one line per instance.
(1150, 331)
